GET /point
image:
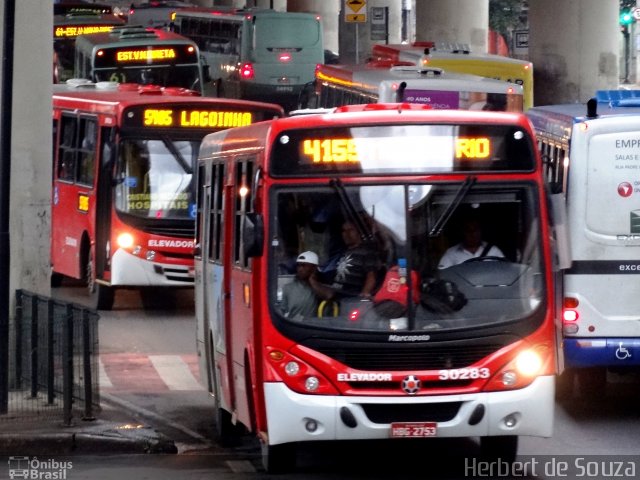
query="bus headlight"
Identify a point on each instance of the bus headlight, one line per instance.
(528, 363)
(292, 368)
(125, 240)
(296, 373)
(311, 384)
(523, 369)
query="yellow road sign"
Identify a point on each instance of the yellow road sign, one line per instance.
(356, 5)
(355, 17)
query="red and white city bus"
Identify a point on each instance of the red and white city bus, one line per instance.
(123, 205)
(463, 351)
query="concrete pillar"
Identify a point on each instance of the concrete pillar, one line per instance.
(454, 21)
(31, 162)
(329, 11)
(575, 50)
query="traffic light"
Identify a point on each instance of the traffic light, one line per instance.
(626, 18)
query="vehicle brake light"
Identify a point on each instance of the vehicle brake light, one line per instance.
(246, 71)
(284, 57)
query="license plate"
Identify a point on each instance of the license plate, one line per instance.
(281, 88)
(413, 429)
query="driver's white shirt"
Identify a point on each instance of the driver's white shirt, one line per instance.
(458, 254)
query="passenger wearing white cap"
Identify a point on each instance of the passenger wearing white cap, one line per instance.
(301, 296)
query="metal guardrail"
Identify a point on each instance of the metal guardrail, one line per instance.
(53, 360)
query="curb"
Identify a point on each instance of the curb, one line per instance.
(111, 440)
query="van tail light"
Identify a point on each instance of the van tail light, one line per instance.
(570, 315)
(284, 57)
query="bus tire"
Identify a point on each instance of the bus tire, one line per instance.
(56, 279)
(101, 297)
(504, 448)
(227, 434)
(278, 458)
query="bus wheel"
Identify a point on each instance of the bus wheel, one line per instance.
(504, 448)
(56, 279)
(278, 458)
(100, 296)
(227, 434)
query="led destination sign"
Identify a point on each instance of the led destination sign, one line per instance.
(71, 31)
(402, 149)
(170, 116)
(345, 150)
(146, 55)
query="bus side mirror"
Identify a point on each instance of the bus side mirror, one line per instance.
(253, 234)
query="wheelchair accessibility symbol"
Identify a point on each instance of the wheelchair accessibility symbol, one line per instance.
(622, 353)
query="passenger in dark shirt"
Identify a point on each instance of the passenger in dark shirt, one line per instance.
(357, 269)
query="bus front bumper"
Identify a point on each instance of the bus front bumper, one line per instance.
(132, 271)
(295, 417)
(601, 352)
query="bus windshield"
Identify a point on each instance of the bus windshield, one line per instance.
(155, 178)
(285, 33)
(187, 76)
(402, 232)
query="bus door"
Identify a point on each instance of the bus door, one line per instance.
(215, 302)
(104, 199)
(74, 192)
(241, 309)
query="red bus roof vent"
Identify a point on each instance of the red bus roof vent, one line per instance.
(150, 90)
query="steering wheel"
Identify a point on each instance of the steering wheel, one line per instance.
(486, 259)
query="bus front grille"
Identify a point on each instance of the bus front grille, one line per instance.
(404, 357)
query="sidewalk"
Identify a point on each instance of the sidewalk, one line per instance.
(112, 432)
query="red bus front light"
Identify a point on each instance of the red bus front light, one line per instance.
(246, 71)
(298, 375)
(125, 240)
(529, 364)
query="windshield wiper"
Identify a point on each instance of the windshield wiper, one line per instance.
(354, 216)
(457, 199)
(187, 167)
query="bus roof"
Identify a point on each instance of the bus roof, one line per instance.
(370, 78)
(132, 94)
(81, 8)
(89, 22)
(239, 14)
(361, 115)
(132, 35)
(422, 52)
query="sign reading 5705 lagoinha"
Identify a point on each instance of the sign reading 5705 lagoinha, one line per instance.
(186, 117)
